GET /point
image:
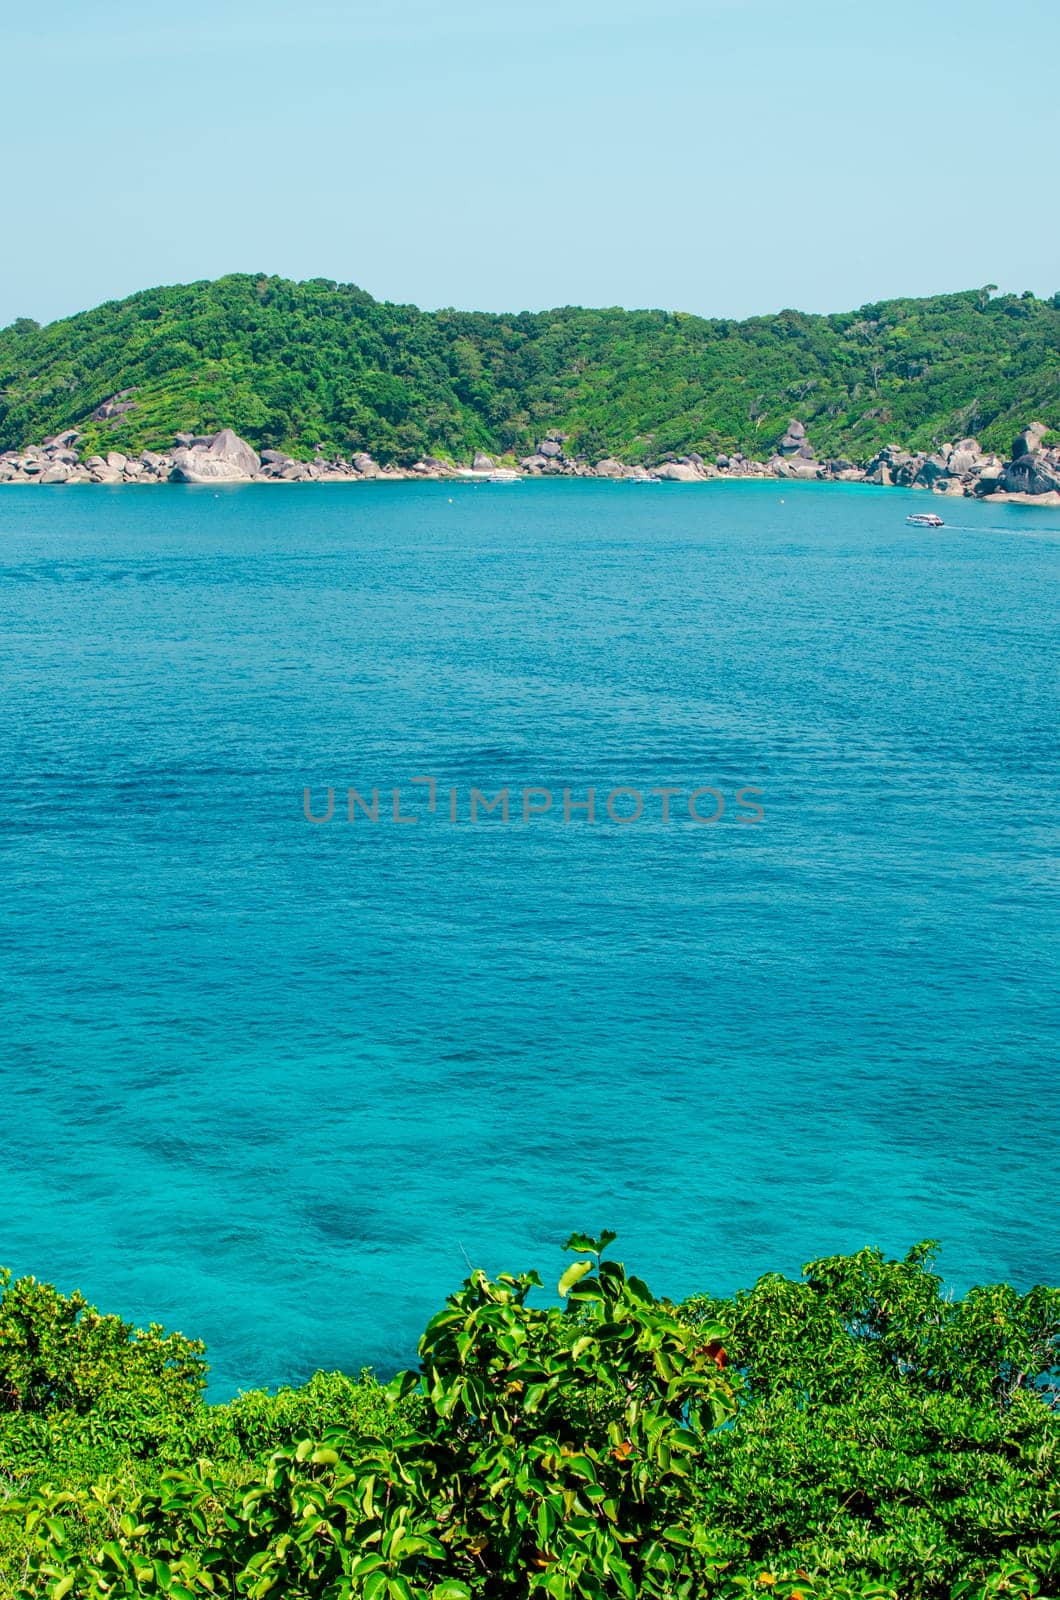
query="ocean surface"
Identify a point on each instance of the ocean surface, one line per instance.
(275, 1082)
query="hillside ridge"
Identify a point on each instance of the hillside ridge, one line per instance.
(318, 368)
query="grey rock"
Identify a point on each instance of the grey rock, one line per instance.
(66, 438)
(115, 407)
(678, 472)
(610, 468)
(116, 461)
(989, 479)
(56, 474)
(225, 457)
(1029, 441)
(1031, 474)
(229, 447)
(550, 448)
(794, 438)
(905, 470)
(277, 456)
(482, 462)
(933, 468)
(964, 460)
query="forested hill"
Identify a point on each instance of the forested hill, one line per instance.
(296, 365)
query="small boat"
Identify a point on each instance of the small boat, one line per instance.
(502, 475)
(925, 519)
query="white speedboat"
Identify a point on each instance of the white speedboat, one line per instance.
(925, 519)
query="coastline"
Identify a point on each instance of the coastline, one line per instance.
(960, 469)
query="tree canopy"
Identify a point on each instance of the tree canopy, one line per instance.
(297, 365)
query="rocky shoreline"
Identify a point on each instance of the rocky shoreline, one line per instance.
(1031, 475)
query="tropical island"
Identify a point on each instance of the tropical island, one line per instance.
(260, 377)
(858, 1433)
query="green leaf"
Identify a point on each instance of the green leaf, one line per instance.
(364, 1565)
(574, 1273)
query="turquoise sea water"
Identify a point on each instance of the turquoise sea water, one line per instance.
(271, 1082)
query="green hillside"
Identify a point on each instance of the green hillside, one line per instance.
(294, 365)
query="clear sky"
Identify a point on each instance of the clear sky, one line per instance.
(719, 156)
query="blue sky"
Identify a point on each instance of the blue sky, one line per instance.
(718, 156)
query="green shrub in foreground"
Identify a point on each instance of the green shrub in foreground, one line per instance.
(855, 1433)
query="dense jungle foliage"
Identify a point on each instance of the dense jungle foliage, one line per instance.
(858, 1433)
(296, 365)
